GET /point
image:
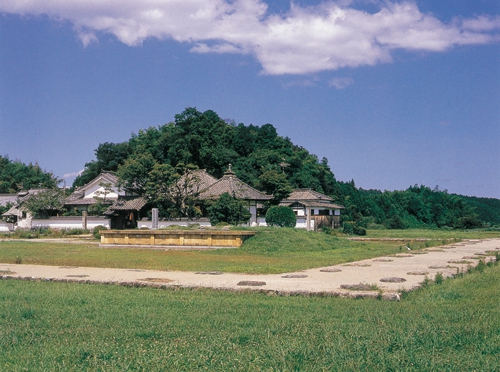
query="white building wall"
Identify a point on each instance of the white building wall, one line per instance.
(72, 222)
(203, 222)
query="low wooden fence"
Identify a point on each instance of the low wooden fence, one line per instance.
(177, 238)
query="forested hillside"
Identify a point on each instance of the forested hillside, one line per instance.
(271, 163)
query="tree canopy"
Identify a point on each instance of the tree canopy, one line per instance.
(16, 176)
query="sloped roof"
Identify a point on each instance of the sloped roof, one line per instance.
(310, 198)
(312, 204)
(106, 176)
(308, 194)
(7, 198)
(235, 187)
(13, 211)
(127, 204)
(86, 201)
(203, 180)
(77, 197)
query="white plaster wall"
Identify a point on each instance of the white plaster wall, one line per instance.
(69, 222)
(92, 190)
(6, 227)
(162, 224)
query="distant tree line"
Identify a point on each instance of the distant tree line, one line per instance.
(417, 207)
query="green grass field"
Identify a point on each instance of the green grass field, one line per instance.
(84, 327)
(270, 251)
(47, 326)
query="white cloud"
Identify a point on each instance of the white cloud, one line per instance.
(327, 36)
(72, 174)
(341, 82)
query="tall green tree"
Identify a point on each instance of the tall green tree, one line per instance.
(16, 176)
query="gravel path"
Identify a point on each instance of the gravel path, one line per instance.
(384, 276)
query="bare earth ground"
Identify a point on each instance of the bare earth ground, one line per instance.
(384, 276)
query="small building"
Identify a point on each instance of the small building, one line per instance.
(313, 209)
(125, 212)
(237, 189)
(19, 216)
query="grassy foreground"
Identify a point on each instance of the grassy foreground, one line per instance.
(81, 327)
(270, 251)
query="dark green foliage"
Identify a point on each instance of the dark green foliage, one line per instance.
(352, 228)
(228, 209)
(108, 157)
(96, 231)
(16, 176)
(439, 279)
(326, 230)
(468, 222)
(276, 184)
(416, 207)
(281, 216)
(5, 208)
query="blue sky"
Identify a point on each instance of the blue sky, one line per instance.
(393, 93)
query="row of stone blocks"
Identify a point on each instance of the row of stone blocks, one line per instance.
(192, 238)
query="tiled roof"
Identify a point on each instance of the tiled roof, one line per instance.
(310, 198)
(7, 198)
(312, 204)
(235, 187)
(77, 197)
(308, 194)
(127, 204)
(202, 179)
(85, 201)
(13, 211)
(107, 176)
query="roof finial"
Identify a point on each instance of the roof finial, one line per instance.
(229, 171)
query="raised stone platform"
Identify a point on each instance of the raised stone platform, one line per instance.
(175, 238)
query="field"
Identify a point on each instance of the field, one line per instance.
(83, 327)
(47, 326)
(269, 252)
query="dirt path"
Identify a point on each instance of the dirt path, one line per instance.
(382, 275)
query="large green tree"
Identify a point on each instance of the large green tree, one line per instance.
(16, 176)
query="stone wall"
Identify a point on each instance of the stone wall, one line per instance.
(179, 238)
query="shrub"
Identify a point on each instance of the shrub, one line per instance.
(468, 222)
(281, 216)
(352, 228)
(97, 231)
(76, 231)
(439, 278)
(228, 209)
(327, 230)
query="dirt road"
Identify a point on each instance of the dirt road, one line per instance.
(384, 276)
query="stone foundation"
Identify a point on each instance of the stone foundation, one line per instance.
(179, 238)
